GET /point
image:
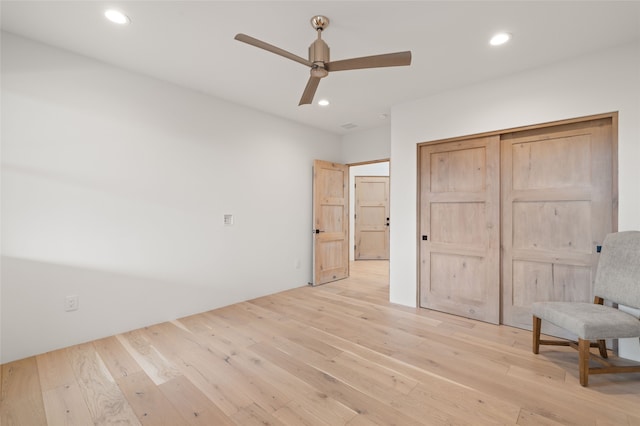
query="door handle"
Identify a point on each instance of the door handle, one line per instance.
(316, 231)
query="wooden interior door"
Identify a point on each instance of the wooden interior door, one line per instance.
(372, 218)
(331, 222)
(460, 228)
(557, 207)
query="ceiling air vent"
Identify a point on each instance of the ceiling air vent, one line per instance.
(349, 126)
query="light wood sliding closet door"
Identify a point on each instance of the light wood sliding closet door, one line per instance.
(460, 227)
(557, 206)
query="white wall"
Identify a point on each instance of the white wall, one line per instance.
(599, 83)
(367, 145)
(114, 187)
(372, 169)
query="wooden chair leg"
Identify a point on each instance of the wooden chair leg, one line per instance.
(602, 347)
(536, 334)
(583, 360)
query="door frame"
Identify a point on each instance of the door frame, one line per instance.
(614, 173)
(351, 195)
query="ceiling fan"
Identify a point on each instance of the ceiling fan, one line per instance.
(319, 58)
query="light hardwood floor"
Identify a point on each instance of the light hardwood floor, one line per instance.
(331, 355)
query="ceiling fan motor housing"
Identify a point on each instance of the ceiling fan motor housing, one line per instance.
(319, 52)
(319, 55)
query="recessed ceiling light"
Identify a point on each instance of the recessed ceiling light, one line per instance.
(323, 102)
(117, 17)
(500, 38)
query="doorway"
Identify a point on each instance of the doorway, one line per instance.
(372, 169)
(371, 216)
(333, 217)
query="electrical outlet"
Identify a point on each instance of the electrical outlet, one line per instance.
(71, 303)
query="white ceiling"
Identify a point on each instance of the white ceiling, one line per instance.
(190, 43)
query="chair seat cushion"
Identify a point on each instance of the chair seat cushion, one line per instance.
(588, 321)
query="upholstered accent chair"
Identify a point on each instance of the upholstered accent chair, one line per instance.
(617, 281)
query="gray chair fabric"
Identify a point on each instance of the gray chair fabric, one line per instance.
(618, 274)
(588, 320)
(617, 280)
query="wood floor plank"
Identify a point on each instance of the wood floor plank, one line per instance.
(529, 418)
(65, 405)
(318, 407)
(21, 402)
(117, 359)
(104, 399)
(192, 404)
(63, 401)
(385, 377)
(632, 420)
(150, 405)
(357, 401)
(465, 405)
(297, 416)
(157, 367)
(304, 398)
(54, 370)
(254, 415)
(203, 369)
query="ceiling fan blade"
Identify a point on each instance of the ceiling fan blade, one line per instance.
(377, 61)
(309, 91)
(271, 48)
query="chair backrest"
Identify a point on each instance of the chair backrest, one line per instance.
(618, 274)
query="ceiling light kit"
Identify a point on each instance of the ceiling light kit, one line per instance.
(500, 39)
(117, 17)
(319, 61)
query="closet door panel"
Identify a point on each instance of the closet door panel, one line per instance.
(557, 207)
(459, 224)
